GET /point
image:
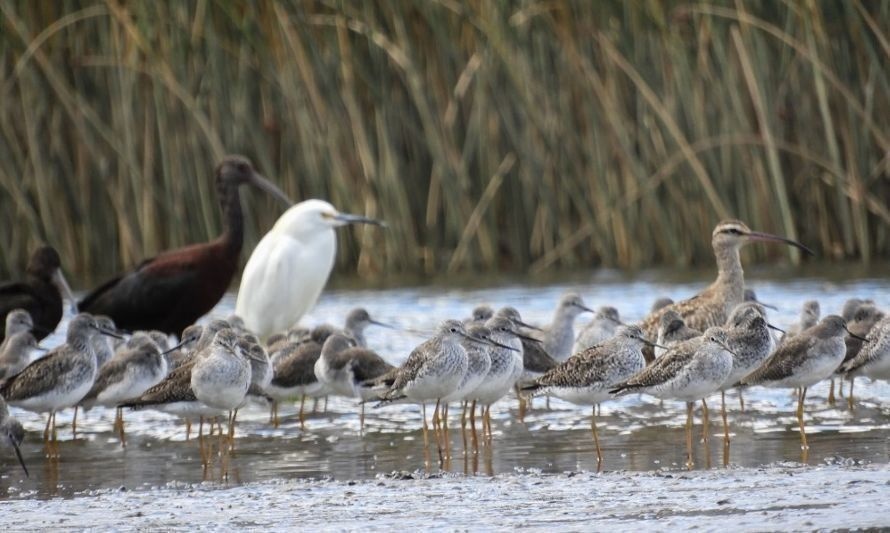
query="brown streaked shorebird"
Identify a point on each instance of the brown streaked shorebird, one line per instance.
(587, 377)
(172, 290)
(808, 358)
(559, 336)
(61, 378)
(690, 371)
(712, 306)
(12, 433)
(40, 294)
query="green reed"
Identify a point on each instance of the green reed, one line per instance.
(491, 135)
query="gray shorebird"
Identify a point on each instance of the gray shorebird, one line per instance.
(182, 351)
(851, 306)
(873, 359)
(559, 336)
(17, 321)
(603, 326)
(102, 344)
(18, 351)
(432, 371)
(587, 377)
(480, 314)
(806, 359)
(672, 330)
(12, 433)
(126, 377)
(660, 303)
(346, 369)
(478, 365)
(809, 317)
(221, 378)
(867, 315)
(61, 378)
(535, 358)
(356, 321)
(711, 307)
(505, 368)
(750, 342)
(690, 371)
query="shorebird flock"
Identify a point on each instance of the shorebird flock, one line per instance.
(691, 350)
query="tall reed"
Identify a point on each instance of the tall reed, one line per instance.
(492, 136)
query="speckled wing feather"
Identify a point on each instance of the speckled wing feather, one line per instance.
(664, 368)
(110, 372)
(176, 387)
(416, 360)
(578, 370)
(38, 377)
(871, 351)
(789, 356)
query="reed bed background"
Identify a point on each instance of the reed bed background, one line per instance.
(491, 135)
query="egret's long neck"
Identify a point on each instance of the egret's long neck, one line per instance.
(233, 217)
(730, 276)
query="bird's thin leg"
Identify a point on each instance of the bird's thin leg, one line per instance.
(273, 412)
(74, 423)
(689, 407)
(803, 434)
(850, 395)
(596, 440)
(201, 449)
(741, 401)
(725, 428)
(840, 388)
(706, 421)
(426, 438)
(302, 416)
(46, 430)
(361, 419)
(473, 425)
(188, 429)
(123, 435)
(522, 404)
(831, 398)
(487, 423)
(232, 429)
(436, 423)
(55, 435)
(463, 425)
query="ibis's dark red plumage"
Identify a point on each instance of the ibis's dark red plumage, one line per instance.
(171, 291)
(39, 294)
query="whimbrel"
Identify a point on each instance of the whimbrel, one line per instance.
(808, 358)
(587, 377)
(690, 371)
(712, 306)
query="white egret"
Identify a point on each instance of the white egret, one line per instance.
(289, 267)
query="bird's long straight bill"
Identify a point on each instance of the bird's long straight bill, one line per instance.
(110, 333)
(760, 236)
(18, 453)
(173, 349)
(265, 185)
(348, 218)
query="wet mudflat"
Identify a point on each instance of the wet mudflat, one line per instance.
(537, 472)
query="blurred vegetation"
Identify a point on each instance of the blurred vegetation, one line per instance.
(491, 135)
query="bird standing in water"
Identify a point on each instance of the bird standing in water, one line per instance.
(290, 266)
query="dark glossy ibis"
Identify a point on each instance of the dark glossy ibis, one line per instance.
(40, 294)
(172, 290)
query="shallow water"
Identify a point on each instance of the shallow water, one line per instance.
(638, 433)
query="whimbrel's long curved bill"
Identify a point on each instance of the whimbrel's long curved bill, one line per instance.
(760, 236)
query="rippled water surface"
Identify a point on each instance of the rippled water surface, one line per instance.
(637, 433)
